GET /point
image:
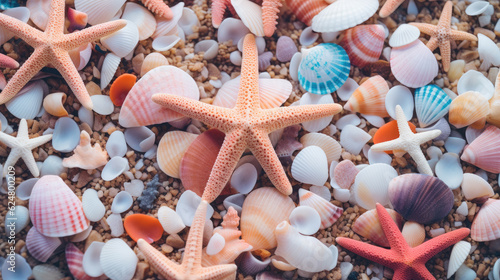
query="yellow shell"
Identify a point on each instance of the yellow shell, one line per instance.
(414, 233)
(369, 98)
(171, 149)
(469, 109)
(54, 104)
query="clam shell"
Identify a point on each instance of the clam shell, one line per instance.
(369, 98)
(39, 12)
(92, 206)
(102, 104)
(121, 202)
(488, 52)
(262, 211)
(475, 187)
(231, 29)
(151, 61)
(54, 104)
(138, 108)
(170, 220)
(470, 108)
(475, 81)
(431, 104)
(328, 212)
(371, 185)
(414, 233)
(368, 226)
(345, 174)
(310, 166)
(50, 194)
(308, 37)
(99, 11)
(22, 271)
(23, 190)
(116, 144)
(20, 13)
(27, 103)
(305, 219)
(215, 245)
(114, 168)
(117, 260)
(165, 43)
(329, 145)
(74, 259)
(413, 65)
(442, 125)
(305, 10)
(486, 224)
(449, 170)
(244, 178)
(187, 205)
(171, 149)
(483, 152)
(210, 48)
(364, 44)
(347, 89)
(40, 246)
(399, 95)
(344, 14)
(250, 14)
(123, 41)
(285, 49)
(353, 139)
(164, 26)
(458, 255)
(140, 138)
(90, 262)
(420, 198)
(47, 272)
(142, 18)
(109, 67)
(188, 20)
(323, 68)
(140, 226)
(404, 35)
(314, 99)
(251, 265)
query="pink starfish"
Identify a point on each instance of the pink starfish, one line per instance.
(51, 48)
(218, 10)
(159, 8)
(246, 125)
(270, 11)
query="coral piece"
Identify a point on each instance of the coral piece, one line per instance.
(270, 11)
(149, 194)
(159, 8)
(85, 156)
(218, 10)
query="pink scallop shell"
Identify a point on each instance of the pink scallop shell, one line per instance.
(486, 224)
(364, 44)
(39, 246)
(483, 152)
(74, 258)
(328, 212)
(305, 10)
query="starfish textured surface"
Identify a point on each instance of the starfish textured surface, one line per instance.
(408, 263)
(159, 8)
(21, 147)
(246, 125)
(409, 142)
(441, 34)
(51, 48)
(270, 11)
(191, 262)
(218, 10)
(389, 7)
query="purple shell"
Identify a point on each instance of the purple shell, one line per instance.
(285, 49)
(420, 198)
(265, 60)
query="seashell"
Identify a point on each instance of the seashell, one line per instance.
(414, 233)
(143, 226)
(215, 245)
(264, 59)
(79, 237)
(49, 195)
(86, 116)
(308, 37)
(27, 103)
(99, 11)
(235, 58)
(442, 125)
(475, 9)
(431, 104)
(399, 95)
(304, 252)
(458, 255)
(420, 198)
(138, 108)
(121, 87)
(369, 98)
(117, 260)
(140, 138)
(329, 145)
(323, 68)
(188, 20)
(187, 205)
(244, 178)
(475, 81)
(476, 188)
(456, 70)
(170, 220)
(305, 10)
(486, 224)
(454, 145)
(210, 48)
(345, 174)
(22, 270)
(314, 99)
(353, 139)
(152, 61)
(23, 190)
(20, 13)
(39, 12)
(165, 43)
(52, 166)
(40, 246)
(123, 41)
(344, 14)
(305, 219)
(310, 166)
(251, 265)
(116, 144)
(85, 156)
(20, 215)
(285, 49)
(142, 18)
(371, 185)
(114, 168)
(488, 52)
(54, 104)
(109, 67)
(164, 26)
(449, 170)
(102, 104)
(77, 20)
(322, 191)
(347, 89)
(376, 121)
(294, 66)
(368, 226)
(121, 202)
(115, 224)
(171, 149)
(470, 108)
(134, 188)
(262, 210)
(328, 212)
(74, 259)
(471, 134)
(364, 44)
(413, 65)
(281, 264)
(404, 35)
(231, 29)
(288, 143)
(47, 272)
(250, 14)
(92, 206)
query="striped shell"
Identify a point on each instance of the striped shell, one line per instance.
(171, 149)
(329, 145)
(483, 152)
(328, 212)
(305, 10)
(344, 14)
(431, 104)
(251, 15)
(414, 233)
(404, 35)
(486, 224)
(74, 259)
(469, 109)
(39, 246)
(364, 44)
(368, 226)
(369, 98)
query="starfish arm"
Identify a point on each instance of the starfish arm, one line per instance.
(55, 23)
(461, 35)
(159, 8)
(29, 160)
(7, 139)
(30, 68)
(270, 162)
(282, 117)
(213, 116)
(403, 127)
(426, 28)
(416, 271)
(428, 135)
(229, 154)
(219, 272)
(418, 156)
(63, 63)
(445, 17)
(218, 10)
(30, 35)
(163, 265)
(192, 253)
(248, 95)
(437, 244)
(392, 145)
(368, 251)
(13, 157)
(76, 39)
(38, 141)
(445, 49)
(22, 131)
(389, 7)
(270, 11)
(392, 232)
(433, 43)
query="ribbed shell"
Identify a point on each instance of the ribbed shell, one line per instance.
(414, 233)
(74, 259)
(305, 10)
(310, 166)
(369, 98)
(458, 255)
(486, 225)
(159, 8)
(431, 104)
(344, 14)
(39, 246)
(483, 152)
(364, 43)
(117, 260)
(329, 145)
(328, 212)
(368, 226)
(469, 109)
(171, 149)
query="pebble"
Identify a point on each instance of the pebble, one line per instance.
(93, 236)
(345, 269)
(141, 270)
(175, 241)
(436, 232)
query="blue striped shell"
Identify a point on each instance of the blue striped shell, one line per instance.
(431, 104)
(324, 68)
(7, 4)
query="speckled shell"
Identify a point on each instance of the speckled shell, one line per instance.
(364, 43)
(469, 109)
(431, 104)
(305, 10)
(171, 149)
(420, 198)
(483, 152)
(368, 226)
(486, 224)
(369, 98)
(328, 212)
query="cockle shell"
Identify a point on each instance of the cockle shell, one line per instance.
(85, 155)
(305, 219)
(251, 15)
(262, 211)
(371, 185)
(414, 233)
(328, 212)
(92, 206)
(99, 11)
(470, 108)
(364, 44)
(475, 187)
(27, 103)
(142, 18)
(343, 14)
(54, 104)
(117, 260)
(171, 149)
(431, 104)
(39, 246)
(305, 10)
(123, 41)
(483, 152)
(310, 166)
(170, 220)
(458, 255)
(140, 226)
(49, 197)
(420, 198)
(486, 224)
(329, 145)
(140, 138)
(353, 139)
(369, 97)
(404, 35)
(368, 226)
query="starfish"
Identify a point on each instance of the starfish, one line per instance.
(441, 34)
(270, 11)
(389, 7)
(246, 125)
(218, 10)
(409, 142)
(21, 147)
(191, 262)
(159, 8)
(51, 48)
(407, 262)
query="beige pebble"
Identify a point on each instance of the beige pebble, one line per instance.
(175, 241)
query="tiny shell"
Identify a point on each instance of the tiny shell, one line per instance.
(442, 124)
(74, 259)
(329, 145)
(347, 89)
(165, 43)
(77, 20)
(164, 26)
(310, 166)
(244, 178)
(475, 9)
(54, 104)
(140, 138)
(294, 66)
(114, 168)
(142, 18)
(458, 255)
(449, 170)
(188, 20)
(209, 48)
(488, 52)
(314, 99)
(117, 260)
(414, 233)
(215, 245)
(171, 149)
(328, 212)
(47, 272)
(39, 12)
(123, 41)
(86, 116)
(250, 264)
(90, 262)
(121, 202)
(187, 205)
(231, 29)
(40, 246)
(345, 174)
(305, 219)
(27, 103)
(143, 226)
(23, 190)
(344, 14)
(92, 205)
(102, 104)
(350, 119)
(308, 37)
(475, 187)
(151, 61)
(116, 145)
(353, 139)
(371, 185)
(170, 220)
(115, 224)
(368, 226)
(470, 108)
(22, 271)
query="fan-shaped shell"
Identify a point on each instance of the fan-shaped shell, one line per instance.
(404, 35)
(371, 185)
(109, 66)
(368, 226)
(99, 11)
(328, 212)
(27, 103)
(123, 41)
(486, 224)
(353, 139)
(117, 260)
(483, 152)
(92, 205)
(431, 104)
(151, 61)
(369, 98)
(171, 149)
(39, 246)
(142, 18)
(329, 145)
(475, 187)
(343, 14)
(310, 166)
(364, 44)
(458, 255)
(251, 15)
(305, 10)
(414, 233)
(469, 109)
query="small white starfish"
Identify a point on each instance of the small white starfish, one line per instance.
(21, 147)
(409, 142)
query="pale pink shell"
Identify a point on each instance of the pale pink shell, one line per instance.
(39, 246)
(345, 173)
(328, 212)
(368, 226)
(483, 152)
(486, 225)
(364, 44)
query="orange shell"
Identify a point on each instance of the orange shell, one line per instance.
(120, 88)
(143, 226)
(388, 132)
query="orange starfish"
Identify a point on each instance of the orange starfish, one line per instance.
(246, 125)
(218, 10)
(159, 8)
(389, 7)
(441, 34)
(270, 11)
(407, 263)
(191, 262)
(51, 48)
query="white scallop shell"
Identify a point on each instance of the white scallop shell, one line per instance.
(308, 37)
(122, 202)
(90, 262)
(347, 89)
(210, 48)
(473, 187)
(116, 144)
(231, 29)
(315, 99)
(170, 221)
(216, 244)
(123, 41)
(344, 14)
(21, 13)
(305, 219)
(310, 166)
(27, 103)
(244, 178)
(108, 70)
(23, 191)
(250, 14)
(488, 52)
(349, 119)
(168, 27)
(99, 11)
(449, 170)
(142, 18)
(22, 271)
(115, 224)
(371, 185)
(102, 104)
(458, 255)
(114, 168)
(151, 61)
(473, 80)
(187, 21)
(117, 260)
(353, 139)
(47, 272)
(402, 96)
(187, 205)
(92, 206)
(329, 145)
(404, 35)
(165, 43)
(475, 9)
(66, 135)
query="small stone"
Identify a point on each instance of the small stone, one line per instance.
(93, 236)
(141, 270)
(175, 241)
(146, 200)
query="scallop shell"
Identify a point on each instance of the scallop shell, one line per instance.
(449, 170)
(171, 149)
(54, 104)
(475, 81)
(414, 233)
(368, 226)
(27, 103)
(170, 220)
(151, 61)
(142, 18)
(231, 29)
(364, 44)
(413, 65)
(164, 26)
(305, 10)
(99, 11)
(138, 108)
(305, 219)
(20, 13)
(486, 224)
(310, 166)
(262, 211)
(371, 185)
(92, 206)
(140, 226)
(210, 48)
(369, 98)
(328, 212)
(329, 145)
(251, 15)
(399, 95)
(314, 99)
(324, 68)
(469, 109)
(431, 104)
(40, 246)
(140, 138)
(50, 194)
(123, 41)
(344, 14)
(108, 70)
(114, 168)
(353, 138)
(458, 255)
(117, 260)
(420, 198)
(474, 187)
(404, 35)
